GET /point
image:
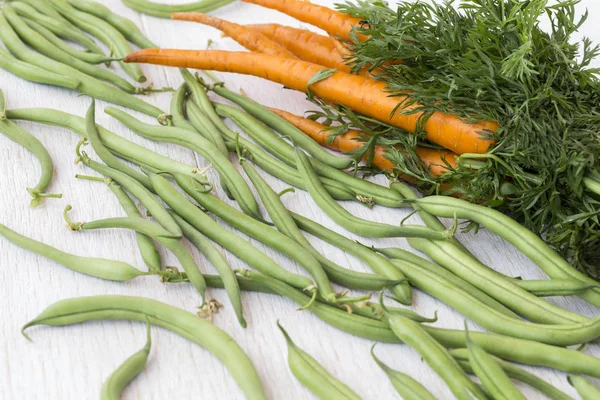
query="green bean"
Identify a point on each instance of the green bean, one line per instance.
(523, 239)
(312, 375)
(348, 220)
(164, 10)
(462, 356)
(286, 129)
(97, 267)
(265, 234)
(88, 85)
(238, 246)
(122, 24)
(2, 106)
(34, 73)
(103, 31)
(45, 47)
(197, 143)
(436, 356)
(122, 376)
(584, 387)
(375, 310)
(378, 264)
(90, 58)
(125, 148)
(19, 135)
(177, 113)
(367, 192)
(188, 325)
(214, 256)
(553, 287)
(44, 14)
(495, 284)
(407, 387)
(400, 254)
(285, 223)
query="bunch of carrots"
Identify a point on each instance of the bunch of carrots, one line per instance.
(303, 60)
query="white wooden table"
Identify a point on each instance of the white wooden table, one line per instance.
(72, 362)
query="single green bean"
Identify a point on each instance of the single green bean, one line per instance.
(378, 264)
(188, 325)
(127, 371)
(97, 267)
(238, 246)
(462, 356)
(494, 284)
(523, 239)
(34, 73)
(553, 287)
(45, 47)
(586, 389)
(35, 147)
(122, 24)
(436, 356)
(44, 14)
(205, 148)
(367, 192)
(101, 29)
(214, 256)
(126, 149)
(400, 254)
(286, 129)
(348, 220)
(285, 223)
(164, 10)
(264, 233)
(312, 375)
(2, 106)
(88, 85)
(177, 106)
(407, 387)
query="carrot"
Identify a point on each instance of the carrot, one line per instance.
(331, 21)
(306, 45)
(434, 160)
(250, 39)
(361, 94)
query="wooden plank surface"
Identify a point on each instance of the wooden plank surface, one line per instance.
(71, 363)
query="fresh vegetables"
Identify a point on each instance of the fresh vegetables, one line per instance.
(165, 10)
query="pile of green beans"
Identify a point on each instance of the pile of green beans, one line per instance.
(164, 10)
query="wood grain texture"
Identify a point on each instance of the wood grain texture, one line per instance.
(71, 363)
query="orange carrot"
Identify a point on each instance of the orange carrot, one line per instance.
(250, 39)
(361, 94)
(306, 45)
(433, 159)
(331, 21)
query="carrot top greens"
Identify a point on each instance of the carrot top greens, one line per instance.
(515, 62)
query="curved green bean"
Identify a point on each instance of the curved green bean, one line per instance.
(407, 387)
(262, 232)
(367, 192)
(177, 109)
(88, 85)
(200, 145)
(19, 135)
(34, 73)
(44, 14)
(285, 223)
(188, 325)
(312, 375)
(103, 31)
(586, 389)
(436, 356)
(348, 220)
(286, 129)
(131, 151)
(553, 287)
(462, 356)
(164, 10)
(214, 256)
(127, 371)
(97, 267)
(45, 47)
(523, 239)
(127, 28)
